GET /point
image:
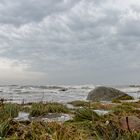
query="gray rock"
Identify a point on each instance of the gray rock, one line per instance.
(22, 116)
(63, 89)
(104, 94)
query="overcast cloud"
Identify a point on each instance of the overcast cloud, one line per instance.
(69, 42)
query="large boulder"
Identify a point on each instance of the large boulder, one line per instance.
(105, 94)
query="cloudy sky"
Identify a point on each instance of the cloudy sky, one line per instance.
(69, 41)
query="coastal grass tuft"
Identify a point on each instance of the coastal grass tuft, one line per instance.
(122, 98)
(79, 103)
(66, 132)
(44, 131)
(134, 104)
(86, 114)
(102, 106)
(40, 109)
(112, 131)
(4, 128)
(8, 110)
(125, 97)
(57, 108)
(125, 109)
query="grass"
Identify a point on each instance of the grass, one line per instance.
(134, 104)
(79, 103)
(4, 128)
(112, 131)
(121, 98)
(66, 132)
(86, 114)
(125, 109)
(8, 111)
(57, 108)
(44, 131)
(40, 109)
(102, 106)
(85, 125)
(71, 131)
(93, 105)
(125, 97)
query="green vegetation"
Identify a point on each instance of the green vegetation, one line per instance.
(79, 103)
(134, 104)
(102, 106)
(4, 128)
(86, 114)
(125, 97)
(40, 109)
(85, 125)
(125, 109)
(116, 101)
(8, 111)
(121, 98)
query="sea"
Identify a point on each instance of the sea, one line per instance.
(52, 93)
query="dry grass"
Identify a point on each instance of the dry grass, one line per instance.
(86, 123)
(102, 106)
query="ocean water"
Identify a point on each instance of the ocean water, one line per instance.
(63, 94)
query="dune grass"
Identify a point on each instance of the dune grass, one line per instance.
(122, 98)
(125, 109)
(102, 106)
(85, 125)
(40, 109)
(79, 103)
(8, 111)
(4, 128)
(86, 114)
(43, 131)
(93, 105)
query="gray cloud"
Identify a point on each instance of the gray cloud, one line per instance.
(73, 41)
(22, 12)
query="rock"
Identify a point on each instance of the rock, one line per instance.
(104, 94)
(58, 117)
(22, 116)
(132, 125)
(63, 89)
(101, 112)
